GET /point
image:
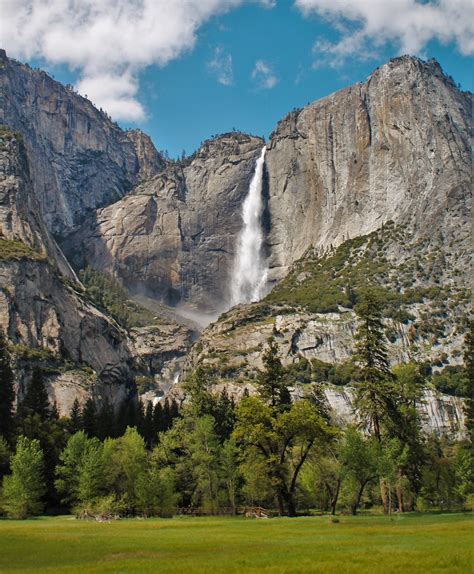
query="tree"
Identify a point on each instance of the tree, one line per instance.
(75, 417)
(271, 382)
(359, 457)
(5, 455)
(469, 365)
(230, 471)
(125, 462)
(25, 486)
(204, 450)
(155, 491)
(105, 422)
(149, 433)
(89, 418)
(36, 397)
(373, 391)
(224, 415)
(282, 440)
(7, 392)
(80, 472)
(404, 424)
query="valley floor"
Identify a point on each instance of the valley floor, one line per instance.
(356, 545)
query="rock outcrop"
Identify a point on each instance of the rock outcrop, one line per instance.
(80, 160)
(174, 236)
(396, 147)
(42, 309)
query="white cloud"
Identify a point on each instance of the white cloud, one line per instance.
(221, 66)
(107, 41)
(409, 24)
(263, 75)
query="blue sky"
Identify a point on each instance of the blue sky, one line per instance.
(241, 67)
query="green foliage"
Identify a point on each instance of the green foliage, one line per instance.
(271, 383)
(18, 251)
(80, 472)
(334, 373)
(5, 455)
(24, 488)
(452, 380)
(36, 397)
(373, 397)
(7, 393)
(125, 464)
(108, 293)
(281, 441)
(359, 457)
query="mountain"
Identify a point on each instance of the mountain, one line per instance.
(172, 238)
(370, 185)
(43, 310)
(80, 159)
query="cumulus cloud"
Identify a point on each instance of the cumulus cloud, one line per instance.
(221, 66)
(409, 24)
(263, 75)
(108, 41)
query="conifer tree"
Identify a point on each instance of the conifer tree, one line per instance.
(106, 421)
(158, 418)
(469, 365)
(75, 420)
(36, 398)
(89, 418)
(271, 382)
(373, 391)
(149, 433)
(7, 393)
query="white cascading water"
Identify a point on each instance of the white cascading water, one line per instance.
(249, 276)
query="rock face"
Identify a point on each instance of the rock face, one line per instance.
(79, 159)
(41, 306)
(392, 152)
(395, 148)
(441, 414)
(173, 237)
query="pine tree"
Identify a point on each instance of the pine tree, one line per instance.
(106, 421)
(469, 365)
(89, 418)
(158, 418)
(373, 391)
(36, 398)
(25, 486)
(224, 416)
(7, 392)
(75, 420)
(271, 381)
(149, 433)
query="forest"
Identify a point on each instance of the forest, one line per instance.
(208, 454)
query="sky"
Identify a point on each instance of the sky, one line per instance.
(184, 70)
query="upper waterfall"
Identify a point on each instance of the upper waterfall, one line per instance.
(249, 276)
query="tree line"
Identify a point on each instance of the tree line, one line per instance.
(217, 455)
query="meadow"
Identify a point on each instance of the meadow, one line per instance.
(356, 545)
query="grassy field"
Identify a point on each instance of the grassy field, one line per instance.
(405, 544)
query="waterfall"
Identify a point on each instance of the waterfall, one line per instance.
(249, 276)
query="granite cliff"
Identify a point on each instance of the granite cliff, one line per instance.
(79, 158)
(371, 184)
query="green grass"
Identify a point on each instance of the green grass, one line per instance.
(367, 544)
(17, 251)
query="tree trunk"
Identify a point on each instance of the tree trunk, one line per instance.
(356, 503)
(291, 506)
(281, 508)
(399, 493)
(384, 495)
(335, 497)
